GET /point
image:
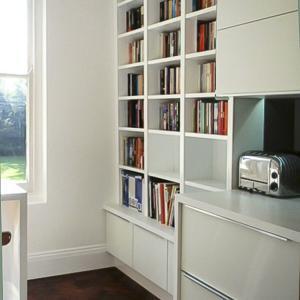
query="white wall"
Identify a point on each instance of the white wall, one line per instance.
(80, 79)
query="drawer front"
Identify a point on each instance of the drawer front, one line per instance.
(261, 57)
(190, 290)
(240, 262)
(119, 238)
(236, 12)
(150, 256)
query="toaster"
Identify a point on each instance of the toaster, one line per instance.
(276, 175)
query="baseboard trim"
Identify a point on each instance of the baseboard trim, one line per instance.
(66, 261)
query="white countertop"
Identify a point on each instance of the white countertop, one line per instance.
(11, 191)
(277, 216)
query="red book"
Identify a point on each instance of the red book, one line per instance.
(202, 37)
(225, 118)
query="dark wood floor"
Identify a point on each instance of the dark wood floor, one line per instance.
(105, 284)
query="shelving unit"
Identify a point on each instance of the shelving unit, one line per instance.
(193, 160)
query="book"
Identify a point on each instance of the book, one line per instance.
(136, 51)
(135, 84)
(201, 4)
(135, 113)
(210, 117)
(133, 152)
(169, 9)
(170, 43)
(208, 77)
(135, 18)
(169, 116)
(170, 80)
(206, 35)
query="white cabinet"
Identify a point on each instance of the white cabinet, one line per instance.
(171, 268)
(119, 238)
(238, 261)
(262, 57)
(150, 256)
(236, 12)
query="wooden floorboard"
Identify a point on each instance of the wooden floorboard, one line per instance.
(104, 284)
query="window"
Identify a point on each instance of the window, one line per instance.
(23, 116)
(14, 88)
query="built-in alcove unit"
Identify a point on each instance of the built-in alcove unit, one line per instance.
(196, 159)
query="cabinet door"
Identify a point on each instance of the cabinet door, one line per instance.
(261, 57)
(150, 256)
(119, 238)
(171, 270)
(236, 12)
(237, 261)
(190, 290)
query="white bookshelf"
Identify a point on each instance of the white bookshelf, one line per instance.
(195, 161)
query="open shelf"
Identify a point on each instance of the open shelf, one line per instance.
(200, 95)
(169, 176)
(157, 97)
(131, 66)
(164, 132)
(202, 57)
(168, 25)
(139, 219)
(137, 33)
(206, 14)
(128, 4)
(129, 98)
(131, 129)
(123, 167)
(165, 61)
(206, 136)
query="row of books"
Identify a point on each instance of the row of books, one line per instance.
(206, 36)
(169, 9)
(170, 116)
(135, 18)
(210, 117)
(135, 84)
(133, 152)
(208, 77)
(135, 114)
(201, 4)
(170, 80)
(170, 43)
(136, 51)
(162, 201)
(132, 190)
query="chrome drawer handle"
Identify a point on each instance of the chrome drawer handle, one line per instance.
(206, 286)
(267, 233)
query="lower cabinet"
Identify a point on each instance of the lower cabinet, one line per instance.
(119, 234)
(150, 256)
(145, 252)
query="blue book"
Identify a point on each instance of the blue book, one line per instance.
(173, 8)
(125, 189)
(139, 193)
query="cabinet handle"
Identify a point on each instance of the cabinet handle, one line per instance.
(206, 286)
(267, 233)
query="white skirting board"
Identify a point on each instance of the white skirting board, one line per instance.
(66, 261)
(143, 281)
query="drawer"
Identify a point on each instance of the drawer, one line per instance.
(191, 290)
(238, 261)
(236, 12)
(260, 58)
(150, 257)
(119, 238)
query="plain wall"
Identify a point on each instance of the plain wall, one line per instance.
(80, 134)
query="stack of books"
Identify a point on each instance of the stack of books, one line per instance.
(136, 51)
(208, 77)
(210, 117)
(169, 9)
(170, 43)
(201, 4)
(206, 36)
(135, 84)
(136, 114)
(170, 80)
(133, 152)
(162, 201)
(169, 116)
(135, 18)
(132, 190)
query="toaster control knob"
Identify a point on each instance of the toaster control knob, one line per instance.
(274, 186)
(274, 175)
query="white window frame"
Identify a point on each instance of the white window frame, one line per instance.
(36, 120)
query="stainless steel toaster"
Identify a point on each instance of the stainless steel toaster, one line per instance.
(276, 175)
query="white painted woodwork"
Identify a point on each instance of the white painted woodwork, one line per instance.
(240, 262)
(262, 57)
(119, 238)
(150, 256)
(236, 12)
(192, 291)
(171, 267)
